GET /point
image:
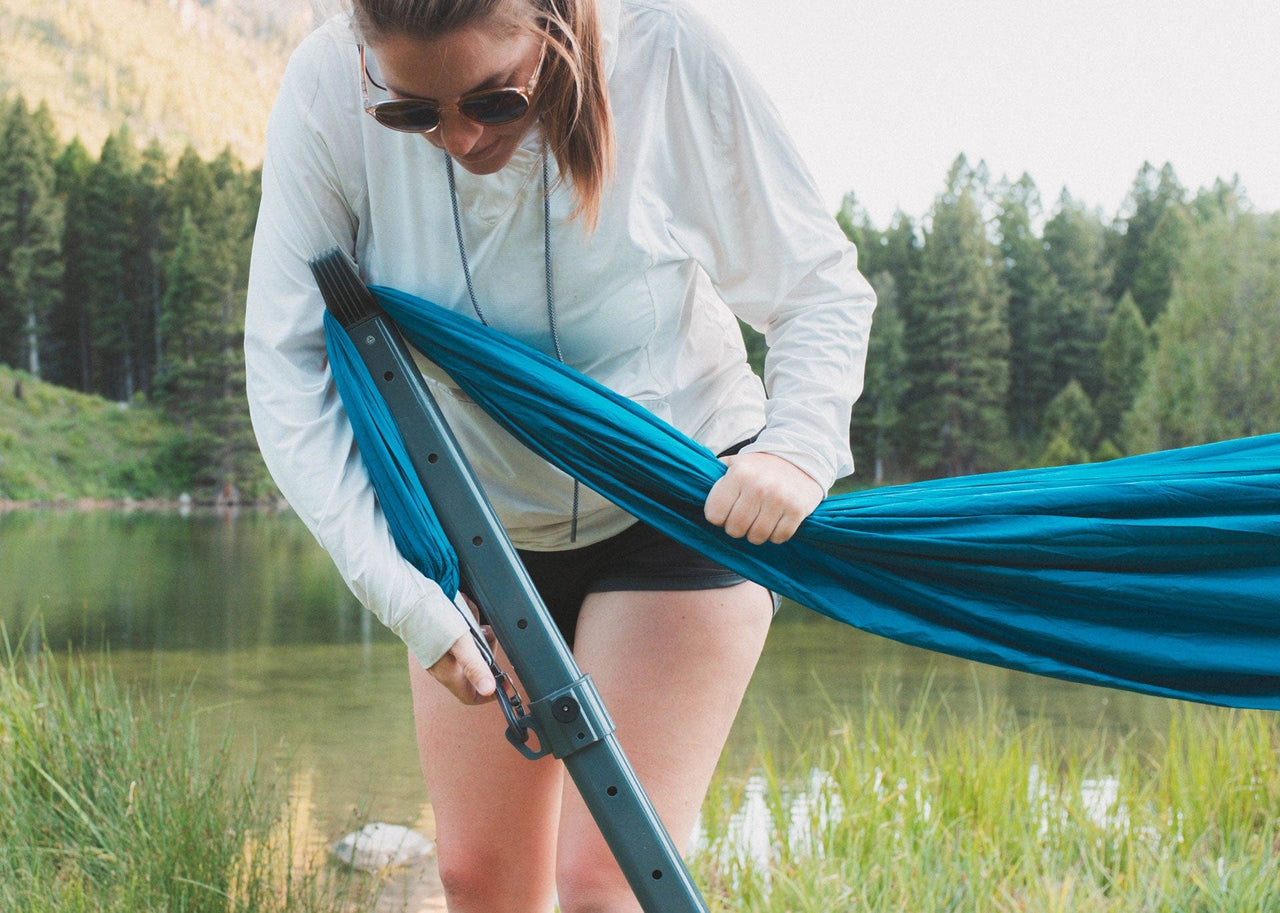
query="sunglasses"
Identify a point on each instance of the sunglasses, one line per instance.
(488, 107)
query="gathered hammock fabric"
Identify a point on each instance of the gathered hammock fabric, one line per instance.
(1157, 573)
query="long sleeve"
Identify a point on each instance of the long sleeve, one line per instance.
(749, 213)
(299, 421)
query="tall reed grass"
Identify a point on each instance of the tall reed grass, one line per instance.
(920, 810)
(110, 802)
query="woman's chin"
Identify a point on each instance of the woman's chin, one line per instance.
(487, 162)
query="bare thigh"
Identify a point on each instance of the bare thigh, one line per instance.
(496, 812)
(672, 668)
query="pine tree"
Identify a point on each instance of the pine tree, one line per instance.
(856, 225)
(1075, 249)
(895, 251)
(958, 340)
(239, 191)
(70, 325)
(899, 255)
(1032, 296)
(1071, 428)
(1222, 197)
(1122, 364)
(10, 313)
(876, 416)
(1154, 275)
(1144, 252)
(1214, 374)
(190, 191)
(202, 322)
(31, 219)
(189, 382)
(191, 325)
(875, 425)
(899, 258)
(106, 238)
(147, 255)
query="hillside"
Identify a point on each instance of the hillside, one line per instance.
(58, 445)
(198, 72)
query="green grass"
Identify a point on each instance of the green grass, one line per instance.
(112, 804)
(58, 445)
(920, 811)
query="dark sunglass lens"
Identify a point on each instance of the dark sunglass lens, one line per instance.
(408, 116)
(495, 108)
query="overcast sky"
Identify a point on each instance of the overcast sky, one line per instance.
(881, 97)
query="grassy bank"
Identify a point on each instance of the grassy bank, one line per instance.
(917, 811)
(111, 804)
(57, 445)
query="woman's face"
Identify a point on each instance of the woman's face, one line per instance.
(468, 60)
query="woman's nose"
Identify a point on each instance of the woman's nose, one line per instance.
(458, 135)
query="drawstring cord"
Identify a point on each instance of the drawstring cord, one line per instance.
(550, 286)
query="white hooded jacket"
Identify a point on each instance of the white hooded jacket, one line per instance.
(711, 217)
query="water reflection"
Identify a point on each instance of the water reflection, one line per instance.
(251, 611)
(168, 582)
(814, 805)
(815, 670)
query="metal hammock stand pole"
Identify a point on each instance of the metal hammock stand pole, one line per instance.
(565, 711)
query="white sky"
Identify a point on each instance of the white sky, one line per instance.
(882, 96)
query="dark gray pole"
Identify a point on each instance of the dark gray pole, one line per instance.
(565, 710)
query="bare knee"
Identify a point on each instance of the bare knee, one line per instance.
(488, 882)
(466, 885)
(588, 880)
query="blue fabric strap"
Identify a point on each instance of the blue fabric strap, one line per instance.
(1157, 573)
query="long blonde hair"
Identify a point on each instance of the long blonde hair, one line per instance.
(572, 97)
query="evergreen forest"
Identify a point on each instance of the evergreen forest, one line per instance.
(1009, 332)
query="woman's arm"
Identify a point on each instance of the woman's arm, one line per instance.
(302, 429)
(752, 217)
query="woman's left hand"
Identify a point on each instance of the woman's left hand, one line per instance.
(762, 497)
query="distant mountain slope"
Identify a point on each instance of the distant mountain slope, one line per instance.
(199, 72)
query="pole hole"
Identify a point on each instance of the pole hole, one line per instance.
(612, 790)
(390, 375)
(657, 873)
(477, 540)
(522, 623)
(433, 457)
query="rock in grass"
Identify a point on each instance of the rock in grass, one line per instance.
(376, 846)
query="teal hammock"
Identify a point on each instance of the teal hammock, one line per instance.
(1157, 573)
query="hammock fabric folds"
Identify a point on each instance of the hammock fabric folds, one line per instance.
(1157, 573)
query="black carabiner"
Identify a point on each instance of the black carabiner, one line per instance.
(519, 723)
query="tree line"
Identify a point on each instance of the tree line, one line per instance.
(1006, 335)
(124, 276)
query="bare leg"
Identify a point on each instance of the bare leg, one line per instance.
(496, 811)
(672, 668)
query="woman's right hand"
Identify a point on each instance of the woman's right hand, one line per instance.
(464, 672)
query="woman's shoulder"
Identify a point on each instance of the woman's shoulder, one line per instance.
(321, 56)
(670, 28)
(318, 105)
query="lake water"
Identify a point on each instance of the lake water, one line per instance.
(248, 611)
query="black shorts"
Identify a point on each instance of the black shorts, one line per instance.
(640, 558)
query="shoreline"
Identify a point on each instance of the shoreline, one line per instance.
(179, 505)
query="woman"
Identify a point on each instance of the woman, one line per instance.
(603, 181)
